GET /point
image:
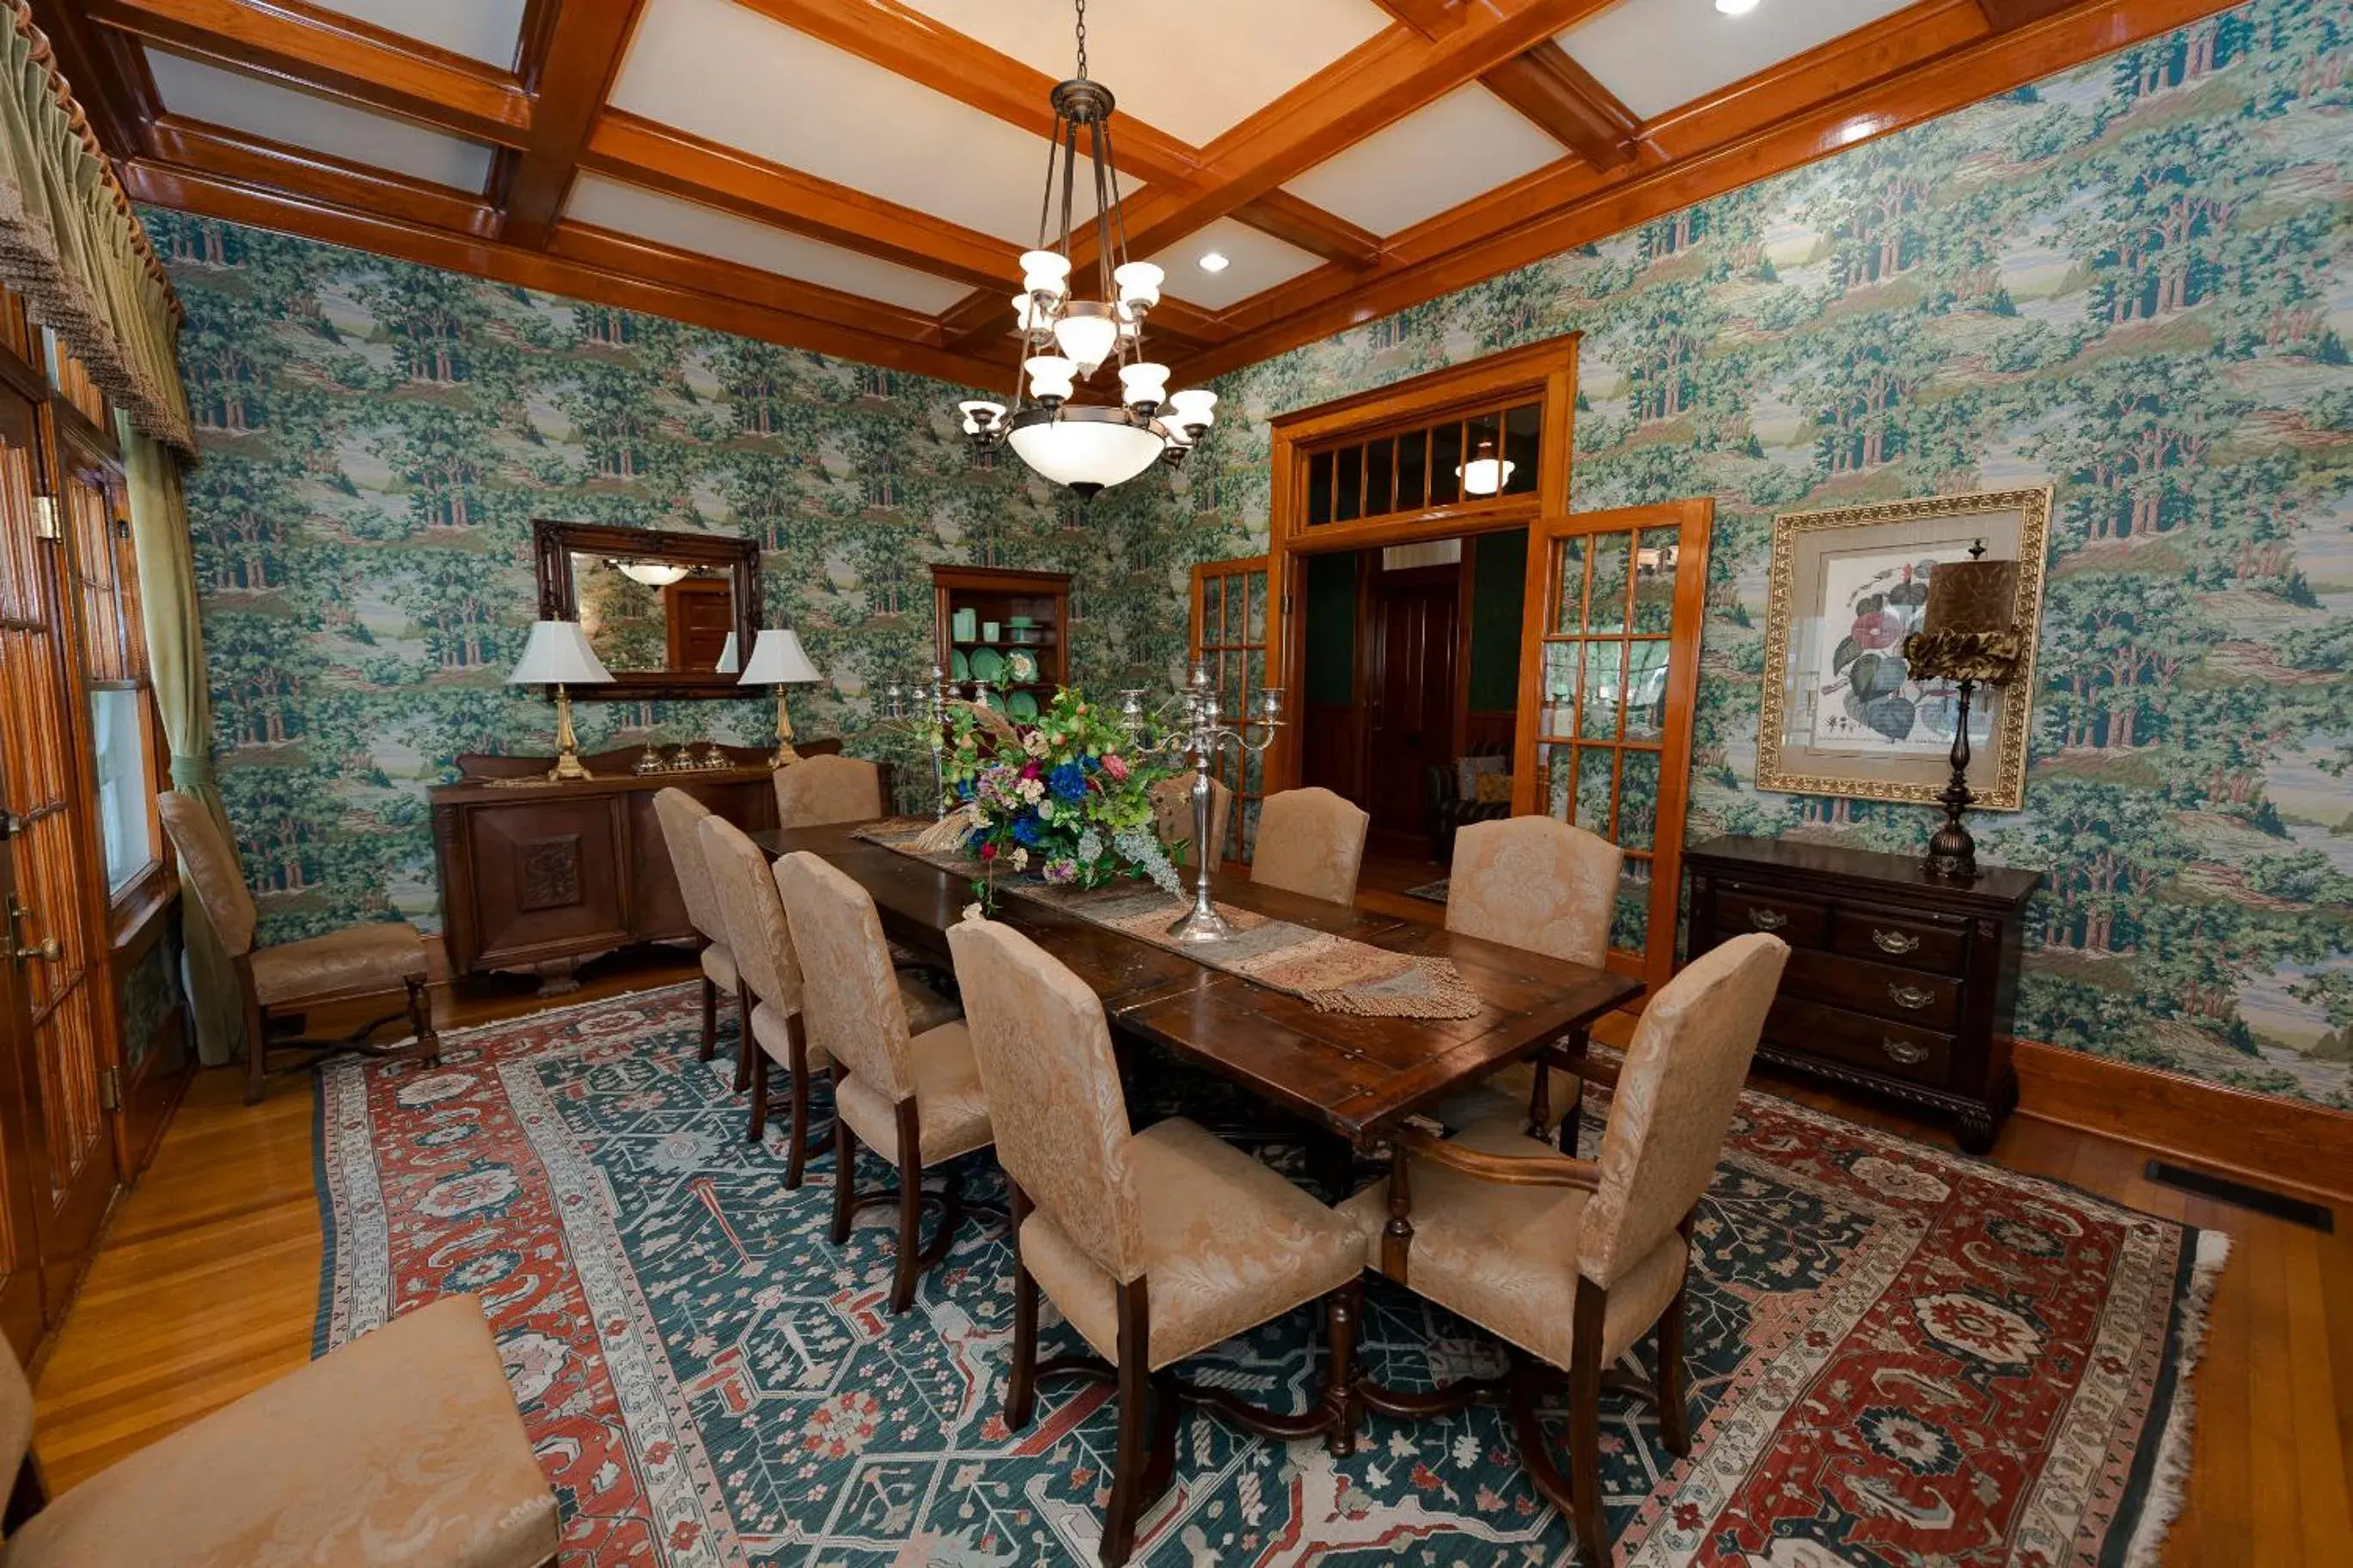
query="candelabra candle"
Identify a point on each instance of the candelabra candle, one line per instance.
(1200, 735)
(930, 716)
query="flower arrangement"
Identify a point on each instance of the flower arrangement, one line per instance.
(1067, 798)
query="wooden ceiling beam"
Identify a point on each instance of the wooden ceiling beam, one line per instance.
(1433, 19)
(1568, 104)
(628, 255)
(582, 42)
(109, 74)
(2001, 16)
(192, 145)
(210, 195)
(322, 51)
(1311, 229)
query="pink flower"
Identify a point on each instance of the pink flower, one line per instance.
(1115, 765)
(988, 851)
(1030, 770)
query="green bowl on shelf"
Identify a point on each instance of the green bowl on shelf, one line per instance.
(988, 664)
(959, 667)
(1023, 706)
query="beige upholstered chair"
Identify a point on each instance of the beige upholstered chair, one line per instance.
(914, 1097)
(1310, 841)
(1155, 1245)
(401, 1448)
(1572, 1261)
(1538, 883)
(1172, 814)
(359, 961)
(818, 790)
(679, 813)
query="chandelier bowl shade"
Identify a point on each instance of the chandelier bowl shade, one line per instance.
(1088, 448)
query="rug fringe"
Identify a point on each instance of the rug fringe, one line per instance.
(2169, 1477)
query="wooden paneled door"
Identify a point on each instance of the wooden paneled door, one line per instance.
(60, 1159)
(1234, 629)
(1412, 649)
(1609, 676)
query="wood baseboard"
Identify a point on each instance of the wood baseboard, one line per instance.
(2279, 1143)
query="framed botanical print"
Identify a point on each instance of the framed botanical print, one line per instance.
(1841, 712)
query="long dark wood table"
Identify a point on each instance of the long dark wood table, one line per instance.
(1350, 1076)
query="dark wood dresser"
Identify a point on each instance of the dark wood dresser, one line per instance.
(1898, 982)
(539, 878)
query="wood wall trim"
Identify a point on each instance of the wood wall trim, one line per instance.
(2266, 1138)
(194, 145)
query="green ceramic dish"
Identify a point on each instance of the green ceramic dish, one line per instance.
(988, 664)
(1021, 666)
(959, 667)
(1023, 706)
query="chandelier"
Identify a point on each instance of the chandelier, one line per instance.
(1066, 339)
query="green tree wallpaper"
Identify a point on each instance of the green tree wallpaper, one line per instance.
(377, 439)
(2132, 281)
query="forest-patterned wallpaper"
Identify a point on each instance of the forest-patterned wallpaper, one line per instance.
(377, 439)
(2132, 281)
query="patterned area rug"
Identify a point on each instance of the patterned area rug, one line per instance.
(1432, 892)
(1899, 1356)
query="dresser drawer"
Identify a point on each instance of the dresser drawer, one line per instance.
(1801, 923)
(1886, 936)
(1902, 996)
(1900, 1050)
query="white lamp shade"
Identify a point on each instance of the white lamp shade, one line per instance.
(1138, 283)
(1049, 375)
(980, 414)
(1193, 406)
(1144, 382)
(1087, 452)
(1044, 272)
(730, 661)
(778, 660)
(1088, 340)
(1026, 315)
(557, 654)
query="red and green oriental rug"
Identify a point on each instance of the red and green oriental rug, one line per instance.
(1900, 1356)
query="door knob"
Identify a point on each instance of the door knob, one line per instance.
(47, 947)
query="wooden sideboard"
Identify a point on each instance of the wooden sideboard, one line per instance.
(539, 878)
(1898, 982)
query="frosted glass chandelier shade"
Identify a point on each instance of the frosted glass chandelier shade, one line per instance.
(1087, 337)
(1044, 272)
(1087, 449)
(1050, 375)
(1138, 283)
(1144, 383)
(980, 414)
(1193, 406)
(652, 573)
(1485, 474)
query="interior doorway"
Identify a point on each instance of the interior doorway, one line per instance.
(1410, 682)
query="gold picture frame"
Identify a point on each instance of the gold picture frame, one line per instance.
(1844, 588)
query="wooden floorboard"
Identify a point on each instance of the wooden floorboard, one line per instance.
(207, 1286)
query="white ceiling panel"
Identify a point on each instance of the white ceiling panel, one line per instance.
(487, 30)
(1435, 158)
(1657, 55)
(1254, 260)
(1190, 70)
(730, 75)
(264, 108)
(707, 231)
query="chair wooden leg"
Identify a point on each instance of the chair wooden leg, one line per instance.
(1021, 1375)
(1343, 1310)
(1134, 1453)
(845, 1171)
(710, 1019)
(759, 1119)
(420, 1019)
(1585, 1424)
(744, 1049)
(911, 1211)
(797, 1157)
(257, 1051)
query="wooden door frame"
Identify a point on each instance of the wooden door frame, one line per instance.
(1546, 369)
(1695, 517)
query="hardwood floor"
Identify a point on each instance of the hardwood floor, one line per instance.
(206, 1287)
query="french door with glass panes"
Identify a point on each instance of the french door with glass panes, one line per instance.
(1233, 619)
(1608, 674)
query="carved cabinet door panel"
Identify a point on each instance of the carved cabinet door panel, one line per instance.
(548, 876)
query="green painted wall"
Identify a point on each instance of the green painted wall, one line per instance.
(1330, 673)
(1499, 585)
(2133, 281)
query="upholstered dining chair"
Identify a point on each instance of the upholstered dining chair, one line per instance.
(1572, 1261)
(818, 790)
(1154, 1245)
(914, 1097)
(1533, 882)
(1172, 814)
(289, 977)
(403, 1446)
(1310, 841)
(678, 814)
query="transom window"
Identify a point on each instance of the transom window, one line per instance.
(1464, 460)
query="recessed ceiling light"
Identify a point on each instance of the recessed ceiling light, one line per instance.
(1215, 260)
(1736, 7)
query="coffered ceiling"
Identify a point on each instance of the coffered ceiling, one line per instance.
(858, 176)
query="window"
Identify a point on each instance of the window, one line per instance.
(120, 734)
(1464, 460)
(114, 674)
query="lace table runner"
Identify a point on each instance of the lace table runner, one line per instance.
(1331, 974)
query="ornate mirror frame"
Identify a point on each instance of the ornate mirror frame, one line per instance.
(553, 544)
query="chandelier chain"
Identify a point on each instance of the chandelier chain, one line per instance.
(1082, 39)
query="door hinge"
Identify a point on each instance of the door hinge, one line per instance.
(45, 519)
(110, 1089)
(1286, 604)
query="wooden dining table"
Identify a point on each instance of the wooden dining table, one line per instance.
(1350, 1078)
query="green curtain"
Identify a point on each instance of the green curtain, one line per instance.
(176, 656)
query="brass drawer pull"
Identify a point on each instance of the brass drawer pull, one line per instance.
(1905, 1051)
(1895, 941)
(1767, 920)
(1910, 997)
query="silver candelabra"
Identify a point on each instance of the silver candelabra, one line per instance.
(1198, 734)
(929, 713)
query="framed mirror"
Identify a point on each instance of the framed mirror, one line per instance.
(658, 608)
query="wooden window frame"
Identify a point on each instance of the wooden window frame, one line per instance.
(1544, 372)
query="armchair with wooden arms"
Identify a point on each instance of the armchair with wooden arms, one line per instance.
(1572, 1262)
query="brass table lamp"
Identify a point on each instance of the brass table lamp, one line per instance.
(779, 660)
(1968, 635)
(557, 654)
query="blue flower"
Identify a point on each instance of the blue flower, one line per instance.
(1028, 830)
(1068, 782)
